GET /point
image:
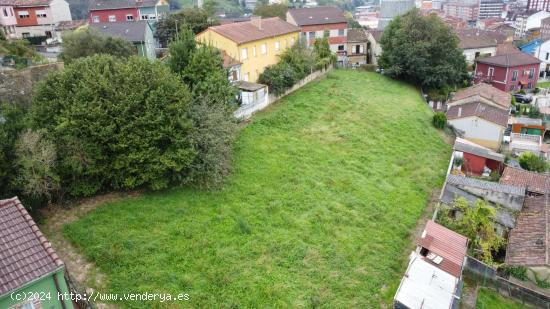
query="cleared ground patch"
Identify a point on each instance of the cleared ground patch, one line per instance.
(327, 186)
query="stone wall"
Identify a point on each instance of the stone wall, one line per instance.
(16, 86)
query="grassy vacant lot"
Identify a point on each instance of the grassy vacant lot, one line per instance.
(327, 186)
(489, 299)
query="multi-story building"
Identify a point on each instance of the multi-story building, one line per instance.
(389, 9)
(317, 22)
(255, 44)
(39, 17)
(462, 10)
(525, 24)
(490, 8)
(538, 5)
(8, 20)
(110, 11)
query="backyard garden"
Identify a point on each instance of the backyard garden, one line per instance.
(326, 189)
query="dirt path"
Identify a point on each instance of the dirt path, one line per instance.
(85, 273)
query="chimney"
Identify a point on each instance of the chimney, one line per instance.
(256, 21)
(459, 111)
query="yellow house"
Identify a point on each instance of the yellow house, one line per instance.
(256, 44)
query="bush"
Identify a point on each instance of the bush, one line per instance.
(279, 77)
(531, 162)
(521, 91)
(439, 120)
(519, 272)
(115, 123)
(513, 100)
(89, 42)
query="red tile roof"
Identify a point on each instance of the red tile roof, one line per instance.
(476, 38)
(533, 182)
(507, 48)
(447, 244)
(25, 254)
(246, 31)
(528, 241)
(481, 110)
(317, 16)
(486, 91)
(509, 60)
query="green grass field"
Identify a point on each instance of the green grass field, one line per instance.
(327, 186)
(489, 299)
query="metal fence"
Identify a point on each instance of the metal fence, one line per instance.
(487, 276)
(76, 289)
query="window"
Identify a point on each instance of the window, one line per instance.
(340, 47)
(112, 18)
(531, 73)
(24, 14)
(263, 49)
(529, 86)
(129, 17)
(95, 19)
(41, 14)
(26, 34)
(152, 16)
(515, 76)
(48, 34)
(292, 41)
(5, 11)
(491, 72)
(144, 17)
(277, 46)
(254, 51)
(312, 34)
(244, 54)
(340, 32)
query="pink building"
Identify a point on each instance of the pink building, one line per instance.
(7, 18)
(508, 72)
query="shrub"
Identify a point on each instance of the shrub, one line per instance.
(531, 162)
(513, 100)
(439, 120)
(536, 90)
(115, 123)
(521, 91)
(519, 272)
(89, 42)
(278, 77)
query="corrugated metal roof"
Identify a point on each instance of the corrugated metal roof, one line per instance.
(475, 149)
(486, 185)
(447, 244)
(25, 254)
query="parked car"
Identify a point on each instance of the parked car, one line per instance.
(523, 98)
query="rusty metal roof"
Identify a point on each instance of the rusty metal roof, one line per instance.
(447, 244)
(25, 254)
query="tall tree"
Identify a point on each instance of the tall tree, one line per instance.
(423, 50)
(181, 50)
(271, 10)
(89, 42)
(116, 124)
(169, 28)
(12, 122)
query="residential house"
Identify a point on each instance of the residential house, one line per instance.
(536, 184)
(507, 200)
(358, 47)
(103, 11)
(540, 48)
(434, 274)
(526, 135)
(375, 49)
(508, 72)
(28, 263)
(504, 29)
(507, 48)
(8, 21)
(139, 33)
(528, 244)
(478, 160)
(545, 28)
(480, 114)
(476, 43)
(319, 22)
(37, 18)
(256, 44)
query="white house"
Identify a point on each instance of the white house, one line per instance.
(542, 52)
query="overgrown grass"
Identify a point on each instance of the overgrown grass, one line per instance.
(327, 186)
(489, 299)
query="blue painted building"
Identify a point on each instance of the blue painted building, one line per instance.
(531, 47)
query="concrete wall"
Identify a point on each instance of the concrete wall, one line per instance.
(470, 54)
(479, 131)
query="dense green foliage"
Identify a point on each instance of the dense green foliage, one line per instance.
(181, 50)
(20, 51)
(476, 223)
(89, 42)
(439, 120)
(326, 188)
(531, 162)
(423, 50)
(295, 64)
(12, 122)
(116, 124)
(271, 10)
(168, 29)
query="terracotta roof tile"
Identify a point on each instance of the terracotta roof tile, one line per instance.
(25, 254)
(317, 16)
(476, 38)
(534, 182)
(486, 91)
(247, 32)
(481, 110)
(120, 4)
(528, 240)
(507, 48)
(447, 244)
(509, 60)
(357, 35)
